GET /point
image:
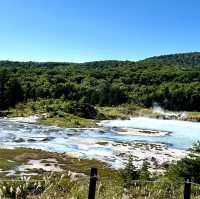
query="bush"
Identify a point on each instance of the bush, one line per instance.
(81, 109)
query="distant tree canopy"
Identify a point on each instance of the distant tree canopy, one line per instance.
(173, 81)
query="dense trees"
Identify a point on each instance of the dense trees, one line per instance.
(10, 90)
(172, 81)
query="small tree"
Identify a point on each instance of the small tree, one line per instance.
(130, 173)
(144, 172)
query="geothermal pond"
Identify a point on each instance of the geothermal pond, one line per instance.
(155, 140)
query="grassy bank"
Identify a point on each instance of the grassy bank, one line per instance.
(51, 112)
(193, 116)
(54, 112)
(11, 159)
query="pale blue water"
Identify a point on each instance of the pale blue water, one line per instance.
(184, 133)
(86, 141)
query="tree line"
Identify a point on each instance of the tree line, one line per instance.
(174, 86)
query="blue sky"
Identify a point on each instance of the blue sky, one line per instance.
(87, 30)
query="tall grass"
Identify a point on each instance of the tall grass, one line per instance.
(62, 187)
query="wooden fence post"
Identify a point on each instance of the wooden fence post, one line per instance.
(92, 186)
(187, 188)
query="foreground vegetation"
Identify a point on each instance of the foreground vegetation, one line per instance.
(127, 183)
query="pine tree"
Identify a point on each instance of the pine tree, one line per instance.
(144, 172)
(130, 173)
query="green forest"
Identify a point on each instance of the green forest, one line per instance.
(172, 81)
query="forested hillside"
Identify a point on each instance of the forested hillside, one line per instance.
(173, 81)
(184, 59)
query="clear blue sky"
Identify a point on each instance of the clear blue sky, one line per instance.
(86, 30)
